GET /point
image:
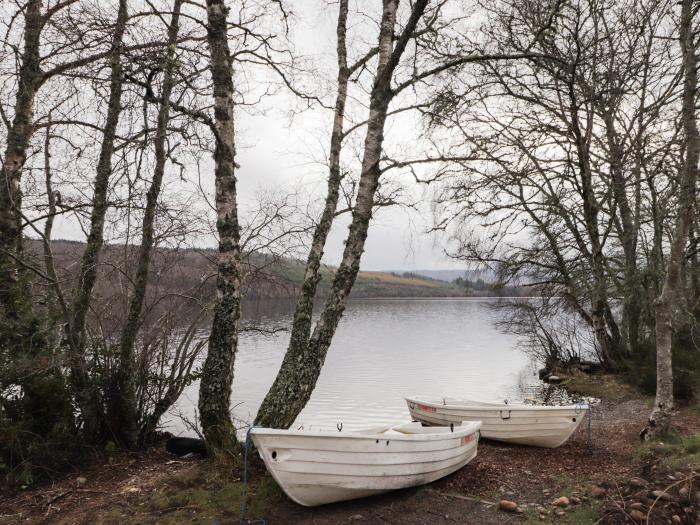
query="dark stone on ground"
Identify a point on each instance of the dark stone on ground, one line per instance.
(181, 446)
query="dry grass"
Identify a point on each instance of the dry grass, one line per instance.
(390, 278)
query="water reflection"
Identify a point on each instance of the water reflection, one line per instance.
(384, 349)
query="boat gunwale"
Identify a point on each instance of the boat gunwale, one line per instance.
(467, 428)
(493, 406)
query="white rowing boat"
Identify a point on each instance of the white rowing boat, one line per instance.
(536, 425)
(315, 468)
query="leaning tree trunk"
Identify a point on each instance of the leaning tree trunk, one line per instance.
(671, 298)
(217, 373)
(123, 417)
(301, 326)
(13, 295)
(294, 385)
(89, 403)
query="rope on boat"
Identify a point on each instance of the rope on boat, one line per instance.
(244, 490)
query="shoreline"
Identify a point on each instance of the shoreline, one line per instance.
(607, 484)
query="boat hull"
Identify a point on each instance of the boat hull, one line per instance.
(316, 468)
(538, 426)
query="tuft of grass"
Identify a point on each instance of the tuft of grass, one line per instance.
(581, 515)
(695, 409)
(674, 448)
(201, 495)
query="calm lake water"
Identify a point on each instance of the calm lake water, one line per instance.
(384, 349)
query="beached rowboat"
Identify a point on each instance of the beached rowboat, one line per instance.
(315, 468)
(536, 425)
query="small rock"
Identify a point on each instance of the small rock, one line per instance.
(661, 495)
(519, 511)
(637, 483)
(597, 492)
(575, 500)
(560, 512)
(546, 491)
(638, 516)
(678, 475)
(356, 517)
(683, 494)
(676, 519)
(562, 501)
(555, 380)
(637, 506)
(81, 481)
(507, 505)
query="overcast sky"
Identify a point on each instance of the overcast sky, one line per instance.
(276, 154)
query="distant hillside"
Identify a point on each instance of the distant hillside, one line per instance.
(450, 275)
(176, 271)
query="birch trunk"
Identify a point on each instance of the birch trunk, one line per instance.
(217, 373)
(301, 326)
(123, 417)
(13, 298)
(87, 399)
(294, 385)
(667, 306)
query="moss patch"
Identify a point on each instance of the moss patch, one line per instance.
(601, 386)
(581, 515)
(674, 449)
(201, 495)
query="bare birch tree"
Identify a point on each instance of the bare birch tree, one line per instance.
(671, 303)
(217, 373)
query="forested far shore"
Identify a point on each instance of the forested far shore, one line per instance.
(193, 271)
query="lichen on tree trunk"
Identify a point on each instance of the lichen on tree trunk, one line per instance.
(14, 299)
(217, 372)
(87, 397)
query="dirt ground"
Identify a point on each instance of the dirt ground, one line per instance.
(605, 483)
